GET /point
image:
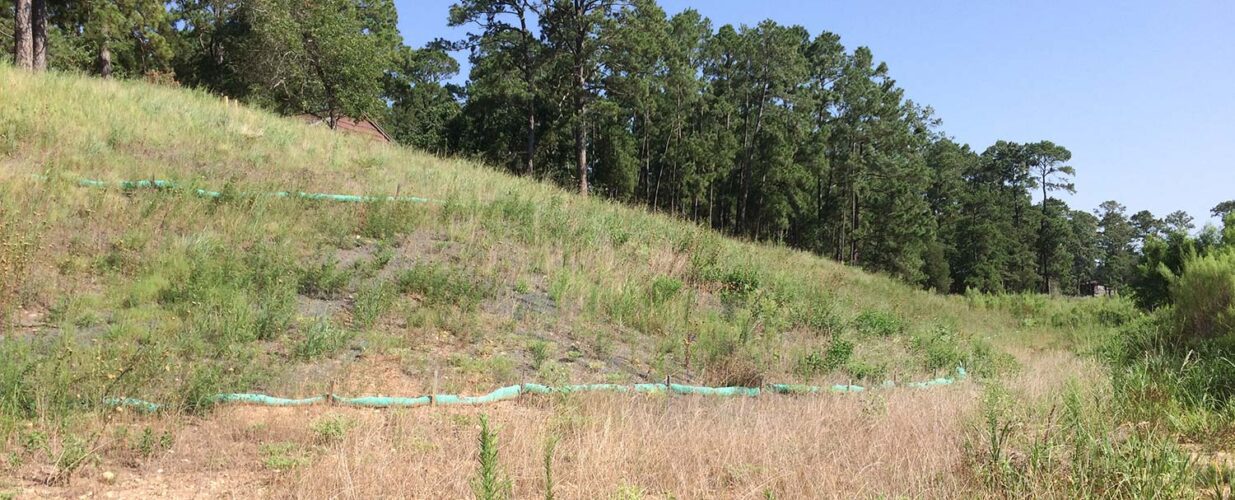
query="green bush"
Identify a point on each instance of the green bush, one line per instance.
(322, 338)
(324, 281)
(837, 355)
(878, 323)
(371, 303)
(867, 371)
(439, 285)
(664, 288)
(1204, 298)
(940, 349)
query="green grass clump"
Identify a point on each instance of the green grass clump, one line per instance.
(324, 281)
(322, 338)
(283, 456)
(878, 324)
(436, 284)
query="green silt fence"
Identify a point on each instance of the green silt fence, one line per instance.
(165, 184)
(515, 391)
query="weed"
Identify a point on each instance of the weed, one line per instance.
(148, 443)
(547, 460)
(539, 350)
(371, 303)
(331, 429)
(878, 323)
(324, 281)
(283, 456)
(438, 285)
(322, 338)
(490, 482)
(664, 288)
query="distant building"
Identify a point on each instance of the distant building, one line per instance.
(1094, 289)
(360, 126)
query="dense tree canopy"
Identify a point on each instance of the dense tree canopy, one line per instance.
(763, 131)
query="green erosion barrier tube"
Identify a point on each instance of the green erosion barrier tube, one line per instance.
(502, 394)
(714, 391)
(165, 184)
(264, 400)
(383, 402)
(515, 391)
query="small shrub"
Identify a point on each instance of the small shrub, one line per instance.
(867, 371)
(821, 320)
(283, 456)
(664, 288)
(437, 285)
(878, 323)
(490, 482)
(738, 283)
(325, 281)
(148, 443)
(837, 354)
(371, 303)
(940, 349)
(539, 350)
(1204, 298)
(331, 429)
(322, 338)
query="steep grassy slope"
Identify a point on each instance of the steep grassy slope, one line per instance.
(169, 296)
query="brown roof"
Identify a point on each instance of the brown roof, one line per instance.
(361, 126)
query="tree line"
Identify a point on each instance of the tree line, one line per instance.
(766, 132)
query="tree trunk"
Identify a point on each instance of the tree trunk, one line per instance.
(581, 152)
(531, 138)
(23, 43)
(103, 63)
(38, 31)
(581, 125)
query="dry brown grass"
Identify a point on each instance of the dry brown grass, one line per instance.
(890, 443)
(900, 442)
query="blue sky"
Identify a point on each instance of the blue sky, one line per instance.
(1142, 92)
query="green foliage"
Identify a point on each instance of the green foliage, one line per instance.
(321, 338)
(663, 289)
(283, 456)
(439, 285)
(490, 482)
(1204, 298)
(940, 348)
(331, 429)
(878, 323)
(325, 281)
(372, 302)
(325, 57)
(550, 447)
(835, 356)
(540, 351)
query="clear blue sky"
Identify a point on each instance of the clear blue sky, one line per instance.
(1142, 92)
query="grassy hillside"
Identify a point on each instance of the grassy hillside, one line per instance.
(502, 279)
(170, 297)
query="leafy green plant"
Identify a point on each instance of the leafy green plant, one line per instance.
(320, 339)
(878, 323)
(539, 350)
(283, 456)
(372, 302)
(490, 482)
(331, 429)
(439, 285)
(324, 281)
(664, 288)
